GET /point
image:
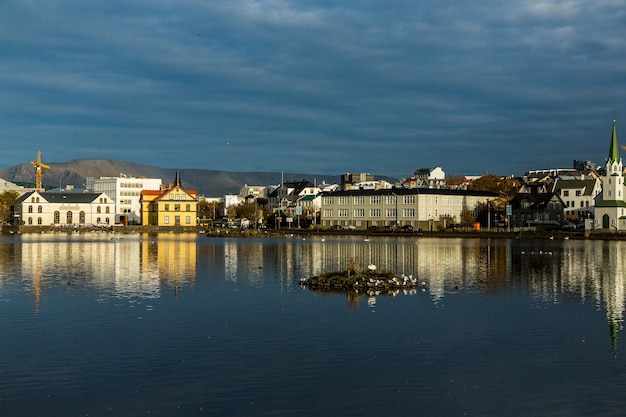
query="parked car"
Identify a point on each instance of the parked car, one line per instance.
(350, 227)
(569, 226)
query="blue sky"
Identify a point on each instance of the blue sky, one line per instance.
(327, 87)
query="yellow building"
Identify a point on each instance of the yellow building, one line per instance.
(172, 206)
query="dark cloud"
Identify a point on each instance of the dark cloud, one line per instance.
(329, 87)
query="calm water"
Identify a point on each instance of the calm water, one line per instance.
(196, 326)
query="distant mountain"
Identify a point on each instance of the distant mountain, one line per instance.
(206, 182)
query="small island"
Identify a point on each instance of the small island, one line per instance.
(369, 281)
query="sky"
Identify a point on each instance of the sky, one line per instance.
(328, 87)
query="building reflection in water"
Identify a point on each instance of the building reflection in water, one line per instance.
(143, 266)
(125, 267)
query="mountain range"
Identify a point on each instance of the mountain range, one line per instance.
(206, 182)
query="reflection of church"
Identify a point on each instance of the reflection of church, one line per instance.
(610, 209)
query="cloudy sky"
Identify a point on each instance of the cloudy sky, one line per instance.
(325, 86)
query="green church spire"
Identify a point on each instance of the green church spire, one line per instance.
(613, 149)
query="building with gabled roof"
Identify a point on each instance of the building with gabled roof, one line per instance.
(172, 206)
(578, 195)
(37, 208)
(541, 210)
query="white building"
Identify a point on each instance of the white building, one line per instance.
(125, 191)
(64, 209)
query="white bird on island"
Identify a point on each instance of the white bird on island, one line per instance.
(371, 267)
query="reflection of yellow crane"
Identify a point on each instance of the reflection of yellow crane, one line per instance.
(38, 165)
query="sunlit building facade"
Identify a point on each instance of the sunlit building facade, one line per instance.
(422, 208)
(173, 206)
(64, 209)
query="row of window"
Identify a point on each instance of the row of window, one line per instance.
(390, 212)
(30, 221)
(178, 196)
(166, 207)
(573, 203)
(388, 199)
(166, 220)
(565, 193)
(98, 209)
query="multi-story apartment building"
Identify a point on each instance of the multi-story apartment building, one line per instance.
(125, 191)
(417, 207)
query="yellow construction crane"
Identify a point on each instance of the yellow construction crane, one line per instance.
(38, 165)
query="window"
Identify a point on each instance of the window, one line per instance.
(183, 197)
(39, 209)
(391, 213)
(177, 196)
(359, 212)
(39, 221)
(70, 217)
(188, 220)
(408, 199)
(408, 212)
(344, 201)
(98, 209)
(579, 193)
(565, 193)
(344, 213)
(391, 199)
(375, 199)
(176, 207)
(30, 220)
(30, 209)
(359, 200)
(167, 207)
(166, 220)
(57, 217)
(188, 207)
(328, 213)
(107, 209)
(375, 212)
(171, 196)
(328, 201)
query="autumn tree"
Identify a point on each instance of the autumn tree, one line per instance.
(210, 210)
(7, 199)
(505, 188)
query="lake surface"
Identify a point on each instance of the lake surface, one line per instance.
(177, 325)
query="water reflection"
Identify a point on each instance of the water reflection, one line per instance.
(126, 267)
(142, 266)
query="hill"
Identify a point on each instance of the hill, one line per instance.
(207, 182)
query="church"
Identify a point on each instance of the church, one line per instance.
(610, 210)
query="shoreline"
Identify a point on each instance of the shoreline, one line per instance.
(219, 232)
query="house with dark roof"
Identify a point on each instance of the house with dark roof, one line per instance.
(578, 194)
(540, 210)
(67, 209)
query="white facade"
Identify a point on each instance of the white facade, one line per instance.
(64, 209)
(126, 193)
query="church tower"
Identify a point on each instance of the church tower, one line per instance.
(610, 211)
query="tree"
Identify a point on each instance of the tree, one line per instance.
(7, 199)
(246, 211)
(505, 186)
